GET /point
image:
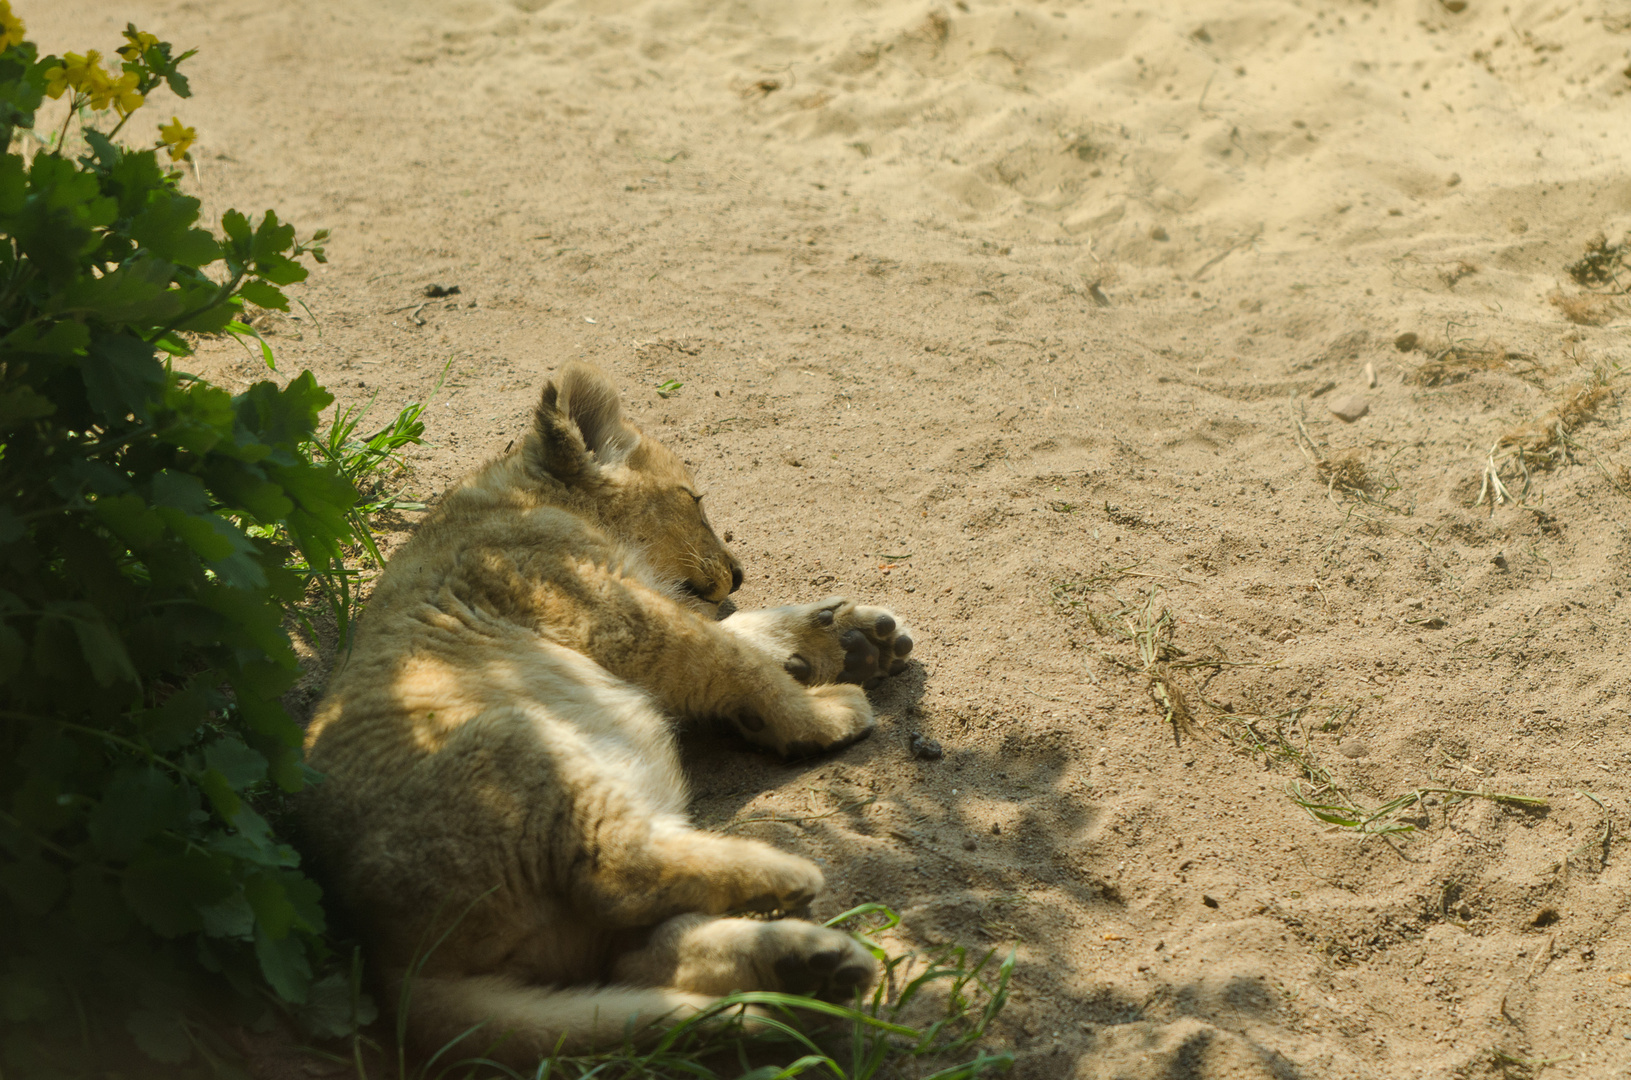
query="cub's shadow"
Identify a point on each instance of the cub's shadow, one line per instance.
(922, 836)
(727, 772)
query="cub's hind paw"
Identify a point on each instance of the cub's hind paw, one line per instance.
(823, 963)
(840, 641)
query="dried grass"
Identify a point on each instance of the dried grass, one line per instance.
(1346, 473)
(1457, 363)
(1543, 442)
(1585, 309)
(1540, 444)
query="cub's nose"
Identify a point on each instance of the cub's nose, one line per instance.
(736, 576)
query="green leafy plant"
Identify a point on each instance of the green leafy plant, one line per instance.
(148, 525)
(368, 463)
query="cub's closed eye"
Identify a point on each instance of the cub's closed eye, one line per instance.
(696, 497)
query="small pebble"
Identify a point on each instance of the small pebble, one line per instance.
(926, 749)
(1406, 341)
(1349, 407)
(1354, 748)
(1370, 376)
(969, 844)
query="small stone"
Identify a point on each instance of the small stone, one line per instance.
(1353, 748)
(1349, 407)
(925, 748)
(1158, 233)
(1370, 376)
(1406, 341)
(969, 844)
(996, 829)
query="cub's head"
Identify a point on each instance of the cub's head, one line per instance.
(634, 487)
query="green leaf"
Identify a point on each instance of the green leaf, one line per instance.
(330, 1011)
(272, 238)
(266, 296)
(241, 238)
(25, 994)
(240, 330)
(13, 651)
(165, 228)
(307, 898)
(122, 377)
(281, 270)
(218, 789)
(33, 884)
(273, 910)
(166, 891)
(13, 182)
(57, 225)
(290, 773)
(162, 1036)
(248, 488)
(95, 905)
(234, 760)
(229, 552)
(138, 802)
(20, 404)
(137, 292)
(98, 641)
(201, 417)
(130, 519)
(230, 918)
(176, 721)
(12, 527)
(65, 338)
(283, 962)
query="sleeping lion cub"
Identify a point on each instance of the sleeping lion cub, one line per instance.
(500, 760)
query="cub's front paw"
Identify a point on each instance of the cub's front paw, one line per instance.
(776, 882)
(845, 642)
(811, 721)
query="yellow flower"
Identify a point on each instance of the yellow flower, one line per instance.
(140, 42)
(78, 72)
(11, 27)
(121, 93)
(177, 138)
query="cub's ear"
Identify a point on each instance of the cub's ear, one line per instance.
(589, 400)
(579, 428)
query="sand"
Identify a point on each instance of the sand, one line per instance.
(1015, 316)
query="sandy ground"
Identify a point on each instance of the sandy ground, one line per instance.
(1026, 319)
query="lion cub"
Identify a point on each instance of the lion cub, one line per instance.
(504, 813)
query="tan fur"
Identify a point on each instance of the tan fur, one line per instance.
(504, 815)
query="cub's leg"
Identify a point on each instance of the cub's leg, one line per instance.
(695, 666)
(502, 1018)
(701, 955)
(833, 641)
(624, 881)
